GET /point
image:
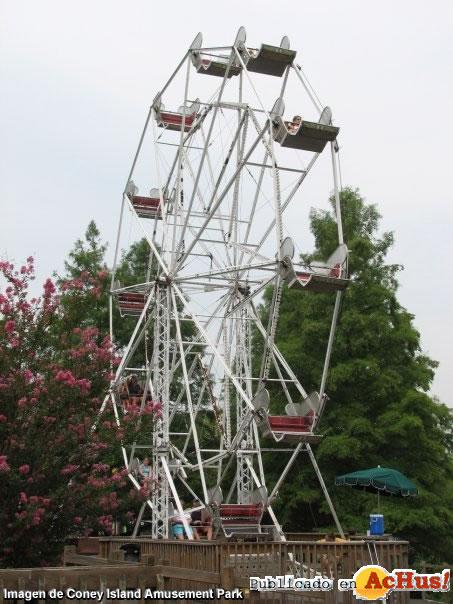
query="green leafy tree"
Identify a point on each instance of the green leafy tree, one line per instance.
(86, 264)
(378, 411)
(86, 268)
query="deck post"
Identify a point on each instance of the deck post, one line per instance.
(227, 577)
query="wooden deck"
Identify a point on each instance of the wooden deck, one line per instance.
(186, 565)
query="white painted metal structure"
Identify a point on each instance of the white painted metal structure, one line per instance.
(214, 222)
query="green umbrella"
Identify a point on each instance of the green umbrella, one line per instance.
(385, 480)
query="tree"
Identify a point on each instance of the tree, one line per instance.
(379, 411)
(85, 286)
(57, 461)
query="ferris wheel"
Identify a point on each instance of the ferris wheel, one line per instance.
(216, 168)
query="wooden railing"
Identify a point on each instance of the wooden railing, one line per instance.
(202, 565)
(300, 558)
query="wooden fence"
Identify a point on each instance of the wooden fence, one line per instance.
(172, 565)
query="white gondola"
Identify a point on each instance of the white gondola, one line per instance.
(328, 276)
(242, 519)
(130, 302)
(173, 120)
(283, 427)
(306, 136)
(146, 207)
(211, 63)
(269, 60)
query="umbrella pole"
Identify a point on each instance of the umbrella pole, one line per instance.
(378, 502)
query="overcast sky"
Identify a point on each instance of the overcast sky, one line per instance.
(77, 78)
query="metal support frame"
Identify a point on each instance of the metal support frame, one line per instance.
(161, 449)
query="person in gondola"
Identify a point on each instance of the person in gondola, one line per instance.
(134, 389)
(145, 472)
(124, 395)
(293, 126)
(200, 523)
(177, 524)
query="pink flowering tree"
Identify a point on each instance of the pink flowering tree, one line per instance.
(58, 475)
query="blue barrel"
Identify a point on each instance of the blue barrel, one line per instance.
(376, 524)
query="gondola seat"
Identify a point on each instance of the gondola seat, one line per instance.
(238, 518)
(215, 65)
(131, 304)
(330, 276)
(283, 427)
(146, 207)
(308, 136)
(269, 60)
(173, 120)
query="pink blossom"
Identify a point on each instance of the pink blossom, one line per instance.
(77, 283)
(85, 275)
(10, 326)
(25, 469)
(36, 520)
(3, 418)
(34, 499)
(30, 260)
(23, 498)
(102, 274)
(68, 469)
(49, 288)
(4, 467)
(78, 520)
